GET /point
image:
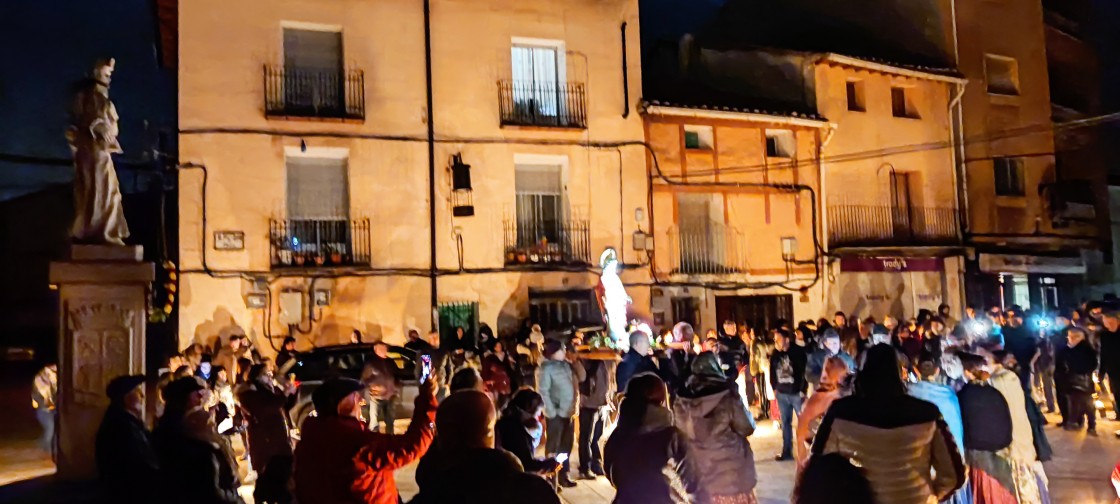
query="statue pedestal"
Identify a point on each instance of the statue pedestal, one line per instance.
(103, 291)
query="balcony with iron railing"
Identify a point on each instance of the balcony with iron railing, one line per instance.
(539, 103)
(316, 93)
(707, 248)
(547, 243)
(892, 226)
(305, 243)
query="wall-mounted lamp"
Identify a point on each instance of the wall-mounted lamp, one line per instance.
(789, 248)
(462, 196)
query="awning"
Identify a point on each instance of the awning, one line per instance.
(1005, 263)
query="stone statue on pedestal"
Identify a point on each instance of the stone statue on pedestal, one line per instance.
(98, 214)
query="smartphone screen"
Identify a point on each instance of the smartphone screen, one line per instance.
(561, 458)
(425, 367)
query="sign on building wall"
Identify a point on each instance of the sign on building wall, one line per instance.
(895, 286)
(1003, 263)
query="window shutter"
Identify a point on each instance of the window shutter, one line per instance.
(318, 189)
(312, 49)
(539, 179)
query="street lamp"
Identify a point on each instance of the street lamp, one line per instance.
(462, 196)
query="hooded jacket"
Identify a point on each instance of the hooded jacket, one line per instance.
(897, 440)
(653, 465)
(713, 418)
(478, 476)
(339, 461)
(557, 385)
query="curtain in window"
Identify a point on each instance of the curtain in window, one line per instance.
(318, 204)
(313, 69)
(540, 204)
(536, 79)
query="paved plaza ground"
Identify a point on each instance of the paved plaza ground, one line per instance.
(1079, 473)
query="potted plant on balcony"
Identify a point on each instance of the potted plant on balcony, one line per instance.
(320, 258)
(299, 259)
(522, 256)
(336, 253)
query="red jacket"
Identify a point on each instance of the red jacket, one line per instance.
(338, 461)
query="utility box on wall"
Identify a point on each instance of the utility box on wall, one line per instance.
(291, 307)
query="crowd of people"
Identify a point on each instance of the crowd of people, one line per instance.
(891, 411)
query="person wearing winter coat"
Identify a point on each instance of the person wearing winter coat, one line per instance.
(1078, 362)
(380, 374)
(831, 348)
(835, 383)
(499, 372)
(900, 442)
(1028, 474)
(711, 414)
(595, 393)
(127, 465)
(465, 468)
(519, 431)
(339, 461)
(270, 448)
(932, 390)
(648, 460)
(557, 385)
(637, 360)
(986, 423)
(196, 465)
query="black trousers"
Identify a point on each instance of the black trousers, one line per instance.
(1081, 407)
(1114, 386)
(561, 434)
(1061, 391)
(590, 430)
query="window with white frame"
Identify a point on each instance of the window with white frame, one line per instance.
(313, 74)
(318, 203)
(538, 76)
(540, 203)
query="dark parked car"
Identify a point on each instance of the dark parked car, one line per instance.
(347, 360)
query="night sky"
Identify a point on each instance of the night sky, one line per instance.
(58, 40)
(49, 45)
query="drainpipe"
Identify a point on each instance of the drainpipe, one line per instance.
(431, 161)
(625, 76)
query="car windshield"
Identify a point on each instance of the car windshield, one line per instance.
(348, 361)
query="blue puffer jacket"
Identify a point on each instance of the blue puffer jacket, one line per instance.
(946, 401)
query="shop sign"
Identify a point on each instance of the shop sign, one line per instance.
(890, 264)
(1004, 263)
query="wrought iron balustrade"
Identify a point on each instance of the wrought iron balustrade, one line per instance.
(540, 243)
(300, 243)
(540, 103)
(707, 248)
(887, 225)
(311, 92)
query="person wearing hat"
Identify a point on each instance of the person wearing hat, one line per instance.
(338, 460)
(196, 464)
(127, 466)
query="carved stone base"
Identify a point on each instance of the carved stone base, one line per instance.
(103, 291)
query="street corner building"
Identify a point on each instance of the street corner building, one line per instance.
(374, 166)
